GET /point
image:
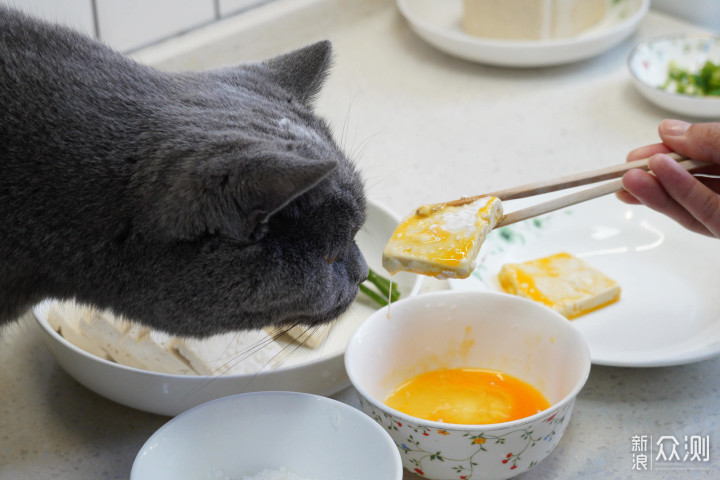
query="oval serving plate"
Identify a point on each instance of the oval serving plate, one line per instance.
(438, 23)
(649, 66)
(318, 371)
(668, 312)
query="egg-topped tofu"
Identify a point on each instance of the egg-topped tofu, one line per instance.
(561, 281)
(442, 241)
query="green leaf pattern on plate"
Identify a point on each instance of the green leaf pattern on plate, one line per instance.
(500, 240)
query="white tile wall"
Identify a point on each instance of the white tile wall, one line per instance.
(128, 24)
(229, 7)
(131, 24)
(702, 12)
(75, 13)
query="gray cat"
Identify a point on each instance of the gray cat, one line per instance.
(194, 203)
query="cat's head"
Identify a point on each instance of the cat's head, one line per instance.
(246, 217)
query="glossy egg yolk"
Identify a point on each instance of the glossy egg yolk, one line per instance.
(467, 396)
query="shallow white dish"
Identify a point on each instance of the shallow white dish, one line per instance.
(649, 63)
(668, 313)
(319, 371)
(438, 23)
(310, 436)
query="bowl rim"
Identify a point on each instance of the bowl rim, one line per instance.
(589, 37)
(414, 291)
(567, 399)
(666, 39)
(374, 426)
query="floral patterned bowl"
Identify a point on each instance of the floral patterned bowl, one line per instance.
(469, 329)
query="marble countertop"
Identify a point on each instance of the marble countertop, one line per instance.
(422, 127)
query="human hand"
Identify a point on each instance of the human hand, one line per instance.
(693, 202)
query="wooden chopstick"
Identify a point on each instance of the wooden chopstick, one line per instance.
(562, 183)
(584, 195)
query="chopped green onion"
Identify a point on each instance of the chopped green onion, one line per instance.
(383, 286)
(705, 82)
(372, 294)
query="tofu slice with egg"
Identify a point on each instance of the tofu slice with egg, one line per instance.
(561, 281)
(442, 241)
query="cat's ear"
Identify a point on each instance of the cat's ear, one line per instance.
(232, 198)
(302, 72)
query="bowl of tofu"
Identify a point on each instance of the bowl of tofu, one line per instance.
(161, 374)
(523, 33)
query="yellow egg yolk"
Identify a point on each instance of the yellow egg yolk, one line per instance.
(467, 396)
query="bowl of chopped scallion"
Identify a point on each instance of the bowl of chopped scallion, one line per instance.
(679, 73)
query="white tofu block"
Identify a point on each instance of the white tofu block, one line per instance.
(231, 353)
(137, 346)
(116, 337)
(561, 281)
(155, 351)
(444, 242)
(311, 337)
(531, 19)
(66, 318)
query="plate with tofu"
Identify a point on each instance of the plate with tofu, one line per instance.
(154, 372)
(639, 287)
(524, 33)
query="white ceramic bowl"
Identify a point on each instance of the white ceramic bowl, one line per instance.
(311, 436)
(319, 371)
(649, 63)
(438, 23)
(477, 330)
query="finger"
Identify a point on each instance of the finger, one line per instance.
(647, 151)
(700, 141)
(712, 183)
(646, 189)
(696, 198)
(626, 197)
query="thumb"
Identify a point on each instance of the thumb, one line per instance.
(699, 141)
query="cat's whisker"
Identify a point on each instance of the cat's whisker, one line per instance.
(220, 371)
(346, 122)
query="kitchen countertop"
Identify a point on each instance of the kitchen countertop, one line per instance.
(422, 127)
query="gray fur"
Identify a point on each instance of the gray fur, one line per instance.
(194, 202)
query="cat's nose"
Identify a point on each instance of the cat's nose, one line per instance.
(357, 266)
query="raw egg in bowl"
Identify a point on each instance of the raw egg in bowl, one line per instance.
(482, 384)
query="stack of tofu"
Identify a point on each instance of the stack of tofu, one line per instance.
(531, 19)
(106, 336)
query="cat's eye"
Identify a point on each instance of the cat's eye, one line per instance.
(330, 258)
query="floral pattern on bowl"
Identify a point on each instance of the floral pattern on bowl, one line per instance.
(649, 66)
(515, 449)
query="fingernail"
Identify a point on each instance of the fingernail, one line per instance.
(674, 128)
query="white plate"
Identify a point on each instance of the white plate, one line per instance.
(438, 23)
(668, 313)
(319, 371)
(649, 62)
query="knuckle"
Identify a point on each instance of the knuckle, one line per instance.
(707, 208)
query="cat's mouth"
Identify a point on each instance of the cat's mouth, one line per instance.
(322, 313)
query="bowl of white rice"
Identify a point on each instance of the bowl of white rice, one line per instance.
(270, 436)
